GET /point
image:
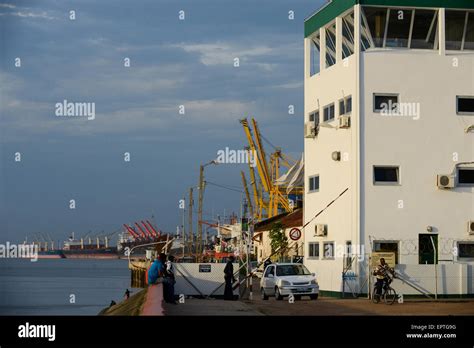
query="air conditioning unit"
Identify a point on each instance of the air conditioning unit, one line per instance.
(470, 227)
(309, 130)
(321, 230)
(445, 181)
(344, 122)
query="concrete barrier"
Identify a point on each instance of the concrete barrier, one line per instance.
(153, 304)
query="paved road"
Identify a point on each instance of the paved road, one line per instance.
(361, 306)
(321, 306)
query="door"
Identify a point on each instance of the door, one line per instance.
(426, 253)
(269, 280)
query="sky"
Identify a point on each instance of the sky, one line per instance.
(173, 63)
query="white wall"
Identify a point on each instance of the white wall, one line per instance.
(422, 148)
(329, 87)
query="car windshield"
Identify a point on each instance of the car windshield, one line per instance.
(290, 270)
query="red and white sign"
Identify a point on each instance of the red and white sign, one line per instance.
(295, 233)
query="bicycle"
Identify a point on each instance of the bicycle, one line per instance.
(388, 293)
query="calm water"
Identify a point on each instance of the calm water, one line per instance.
(44, 287)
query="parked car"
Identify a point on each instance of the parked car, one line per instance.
(284, 279)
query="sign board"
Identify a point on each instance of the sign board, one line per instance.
(205, 268)
(295, 234)
(388, 256)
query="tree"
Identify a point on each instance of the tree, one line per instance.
(278, 239)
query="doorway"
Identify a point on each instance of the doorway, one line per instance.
(426, 252)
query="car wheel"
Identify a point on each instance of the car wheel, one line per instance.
(313, 297)
(264, 296)
(277, 294)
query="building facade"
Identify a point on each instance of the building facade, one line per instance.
(389, 139)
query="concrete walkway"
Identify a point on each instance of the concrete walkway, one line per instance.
(202, 307)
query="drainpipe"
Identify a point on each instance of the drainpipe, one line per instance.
(436, 267)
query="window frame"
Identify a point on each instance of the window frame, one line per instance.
(468, 113)
(309, 183)
(345, 100)
(315, 247)
(376, 94)
(464, 184)
(332, 257)
(386, 183)
(464, 258)
(328, 106)
(314, 113)
(388, 241)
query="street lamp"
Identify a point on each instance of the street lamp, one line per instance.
(201, 194)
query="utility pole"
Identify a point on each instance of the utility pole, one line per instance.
(199, 226)
(183, 234)
(190, 221)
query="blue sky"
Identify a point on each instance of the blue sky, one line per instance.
(173, 63)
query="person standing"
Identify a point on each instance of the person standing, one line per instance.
(155, 271)
(229, 279)
(170, 280)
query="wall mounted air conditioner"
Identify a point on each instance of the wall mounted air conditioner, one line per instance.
(470, 227)
(445, 181)
(309, 130)
(344, 122)
(321, 230)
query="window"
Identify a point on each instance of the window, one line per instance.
(314, 117)
(376, 21)
(466, 250)
(386, 175)
(270, 270)
(455, 23)
(314, 183)
(465, 105)
(328, 250)
(469, 37)
(398, 28)
(348, 35)
(345, 106)
(466, 176)
(313, 252)
(425, 30)
(315, 67)
(385, 246)
(331, 45)
(328, 113)
(386, 103)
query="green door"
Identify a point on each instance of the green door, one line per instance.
(426, 252)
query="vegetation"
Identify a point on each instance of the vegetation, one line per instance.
(278, 239)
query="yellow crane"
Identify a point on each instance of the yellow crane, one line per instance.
(276, 194)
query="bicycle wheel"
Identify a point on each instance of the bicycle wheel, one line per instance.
(390, 296)
(375, 296)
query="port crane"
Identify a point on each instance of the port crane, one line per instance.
(275, 195)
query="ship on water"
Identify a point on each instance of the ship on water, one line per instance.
(133, 241)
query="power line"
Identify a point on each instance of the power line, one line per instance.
(224, 187)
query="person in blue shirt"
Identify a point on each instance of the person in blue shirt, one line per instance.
(155, 271)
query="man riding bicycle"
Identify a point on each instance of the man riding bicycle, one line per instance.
(382, 272)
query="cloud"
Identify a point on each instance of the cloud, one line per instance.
(8, 6)
(220, 53)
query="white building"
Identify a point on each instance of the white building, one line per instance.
(389, 106)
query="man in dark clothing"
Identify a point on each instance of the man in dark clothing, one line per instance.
(127, 294)
(169, 280)
(229, 279)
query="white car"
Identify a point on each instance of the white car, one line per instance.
(284, 279)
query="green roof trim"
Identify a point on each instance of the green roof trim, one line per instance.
(332, 9)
